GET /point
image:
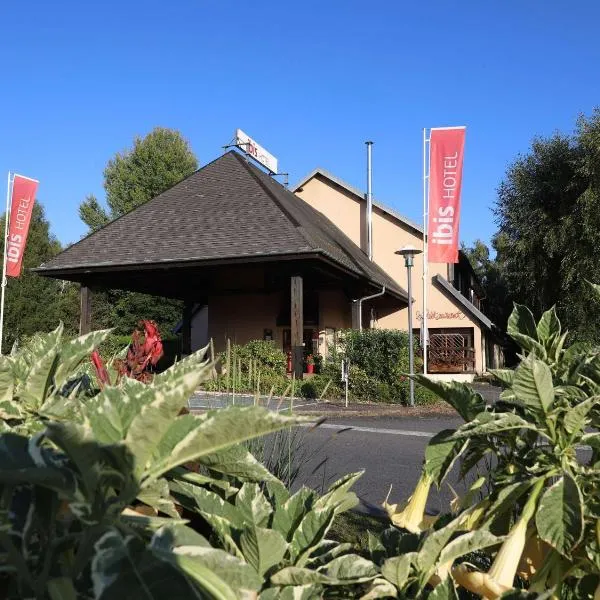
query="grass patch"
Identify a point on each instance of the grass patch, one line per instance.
(352, 527)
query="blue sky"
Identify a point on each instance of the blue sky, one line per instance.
(311, 81)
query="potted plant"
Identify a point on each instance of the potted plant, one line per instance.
(310, 364)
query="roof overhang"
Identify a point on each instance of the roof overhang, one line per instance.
(182, 279)
(455, 296)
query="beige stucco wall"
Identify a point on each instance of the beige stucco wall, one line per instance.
(242, 318)
(389, 234)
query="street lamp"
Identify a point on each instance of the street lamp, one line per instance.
(409, 253)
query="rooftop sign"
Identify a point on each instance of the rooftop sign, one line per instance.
(258, 153)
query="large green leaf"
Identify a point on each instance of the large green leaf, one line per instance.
(171, 535)
(297, 576)
(467, 543)
(123, 568)
(338, 496)
(252, 505)
(155, 420)
(10, 410)
(112, 411)
(492, 424)
(218, 574)
(460, 396)
(312, 530)
(533, 384)
(441, 453)
(446, 590)
(197, 361)
(397, 569)
(206, 502)
(237, 462)
(576, 417)
(74, 352)
(288, 516)
(521, 321)
(548, 326)
(158, 496)
(351, 567)
(262, 548)
(507, 499)
(293, 592)
(380, 588)
(505, 376)
(39, 381)
(23, 461)
(7, 379)
(191, 437)
(559, 518)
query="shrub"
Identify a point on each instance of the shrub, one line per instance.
(264, 353)
(320, 386)
(424, 396)
(381, 353)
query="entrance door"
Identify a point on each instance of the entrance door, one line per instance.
(309, 341)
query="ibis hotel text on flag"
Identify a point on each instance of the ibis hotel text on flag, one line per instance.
(445, 178)
(23, 198)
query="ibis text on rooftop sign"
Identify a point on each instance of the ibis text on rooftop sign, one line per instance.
(257, 152)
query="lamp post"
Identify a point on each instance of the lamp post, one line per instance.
(409, 253)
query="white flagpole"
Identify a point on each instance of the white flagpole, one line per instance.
(425, 257)
(4, 262)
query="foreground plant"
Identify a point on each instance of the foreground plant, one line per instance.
(534, 518)
(85, 504)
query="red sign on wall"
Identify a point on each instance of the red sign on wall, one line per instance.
(23, 198)
(446, 149)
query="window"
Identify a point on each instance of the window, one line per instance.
(451, 350)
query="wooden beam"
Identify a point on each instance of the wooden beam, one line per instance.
(297, 326)
(85, 314)
(186, 328)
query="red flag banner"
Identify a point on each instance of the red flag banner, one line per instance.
(23, 198)
(446, 150)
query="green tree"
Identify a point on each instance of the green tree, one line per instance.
(497, 302)
(155, 163)
(549, 226)
(33, 303)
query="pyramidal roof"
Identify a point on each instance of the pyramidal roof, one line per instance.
(229, 209)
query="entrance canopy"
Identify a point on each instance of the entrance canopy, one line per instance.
(230, 229)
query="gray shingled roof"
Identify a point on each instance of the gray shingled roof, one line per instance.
(228, 209)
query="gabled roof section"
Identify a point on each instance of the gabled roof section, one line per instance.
(469, 307)
(227, 210)
(320, 172)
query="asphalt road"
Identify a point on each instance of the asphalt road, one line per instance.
(390, 450)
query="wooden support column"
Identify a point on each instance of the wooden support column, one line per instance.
(85, 314)
(297, 326)
(186, 329)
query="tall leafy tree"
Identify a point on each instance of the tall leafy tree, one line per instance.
(33, 303)
(497, 302)
(153, 164)
(549, 226)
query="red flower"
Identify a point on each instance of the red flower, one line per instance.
(101, 371)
